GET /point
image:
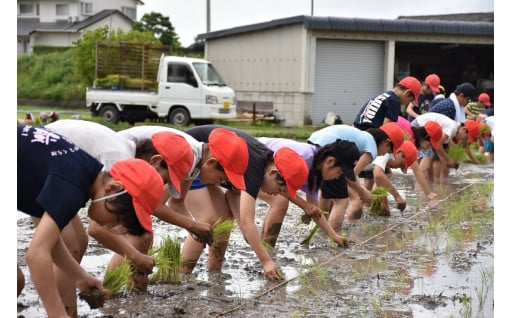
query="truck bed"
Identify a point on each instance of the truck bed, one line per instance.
(120, 97)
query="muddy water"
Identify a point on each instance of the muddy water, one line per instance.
(431, 260)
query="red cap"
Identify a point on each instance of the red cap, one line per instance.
(410, 154)
(232, 153)
(395, 133)
(473, 129)
(292, 167)
(144, 185)
(433, 82)
(177, 153)
(413, 84)
(485, 99)
(435, 132)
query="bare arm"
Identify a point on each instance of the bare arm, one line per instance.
(422, 181)
(45, 249)
(120, 245)
(245, 211)
(410, 110)
(320, 220)
(382, 180)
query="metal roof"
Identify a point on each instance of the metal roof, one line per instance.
(401, 25)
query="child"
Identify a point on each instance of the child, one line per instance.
(325, 163)
(371, 143)
(55, 180)
(386, 107)
(452, 133)
(282, 172)
(429, 89)
(473, 109)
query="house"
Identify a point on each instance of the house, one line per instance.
(308, 66)
(60, 23)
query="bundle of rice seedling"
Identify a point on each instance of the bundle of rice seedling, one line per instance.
(379, 205)
(167, 260)
(114, 281)
(457, 153)
(222, 227)
(118, 278)
(480, 157)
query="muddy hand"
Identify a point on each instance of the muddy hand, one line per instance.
(272, 273)
(341, 241)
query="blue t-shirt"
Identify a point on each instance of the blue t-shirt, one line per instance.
(258, 154)
(373, 113)
(54, 175)
(364, 140)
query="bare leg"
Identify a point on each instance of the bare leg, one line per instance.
(76, 241)
(274, 217)
(142, 244)
(337, 215)
(21, 281)
(206, 205)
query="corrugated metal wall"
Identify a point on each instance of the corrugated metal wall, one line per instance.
(347, 74)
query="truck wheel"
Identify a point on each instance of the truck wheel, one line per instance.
(179, 117)
(110, 114)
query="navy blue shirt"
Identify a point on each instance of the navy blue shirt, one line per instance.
(373, 113)
(424, 104)
(258, 154)
(446, 107)
(54, 175)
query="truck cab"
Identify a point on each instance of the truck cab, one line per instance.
(192, 88)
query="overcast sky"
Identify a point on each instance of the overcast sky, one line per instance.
(189, 16)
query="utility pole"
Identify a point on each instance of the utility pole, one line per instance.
(207, 15)
(312, 6)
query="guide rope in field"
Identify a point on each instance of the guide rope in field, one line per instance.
(327, 262)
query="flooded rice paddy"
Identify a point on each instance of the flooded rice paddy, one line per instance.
(434, 259)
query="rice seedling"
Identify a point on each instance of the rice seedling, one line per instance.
(480, 157)
(313, 230)
(457, 153)
(167, 260)
(118, 278)
(221, 229)
(486, 281)
(115, 280)
(378, 206)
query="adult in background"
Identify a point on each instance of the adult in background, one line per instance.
(453, 106)
(386, 107)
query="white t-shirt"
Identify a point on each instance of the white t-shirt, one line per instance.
(448, 125)
(380, 161)
(96, 139)
(145, 132)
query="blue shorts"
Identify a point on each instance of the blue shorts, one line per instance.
(426, 153)
(196, 184)
(488, 144)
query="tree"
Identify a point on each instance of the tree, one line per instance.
(162, 29)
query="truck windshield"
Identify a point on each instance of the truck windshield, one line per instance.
(208, 74)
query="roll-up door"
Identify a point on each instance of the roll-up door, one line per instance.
(347, 74)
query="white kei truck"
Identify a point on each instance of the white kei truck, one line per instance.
(135, 82)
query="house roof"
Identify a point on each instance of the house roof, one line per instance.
(26, 26)
(449, 24)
